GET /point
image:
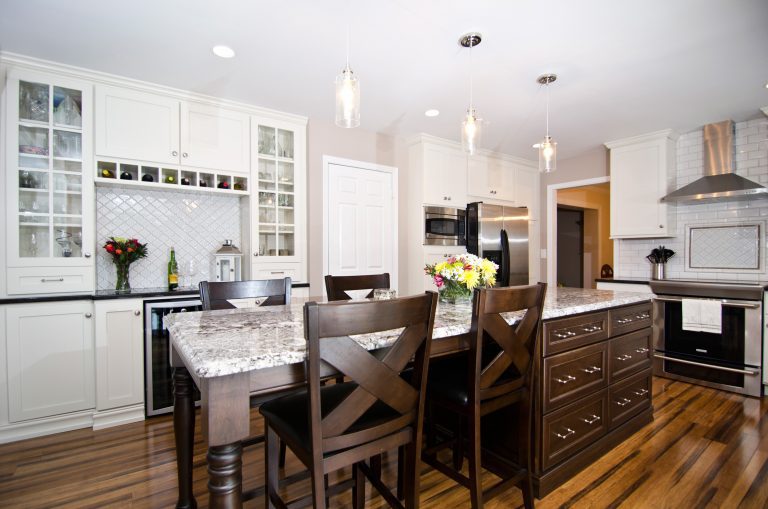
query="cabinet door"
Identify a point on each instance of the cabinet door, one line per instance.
(492, 178)
(50, 359)
(445, 177)
(49, 180)
(477, 177)
(527, 190)
(136, 125)
(215, 138)
(119, 353)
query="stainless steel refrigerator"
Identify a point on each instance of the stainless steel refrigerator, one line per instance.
(501, 235)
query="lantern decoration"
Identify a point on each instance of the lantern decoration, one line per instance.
(228, 262)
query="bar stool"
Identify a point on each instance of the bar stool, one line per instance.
(337, 286)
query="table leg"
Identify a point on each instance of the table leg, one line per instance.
(184, 431)
(225, 476)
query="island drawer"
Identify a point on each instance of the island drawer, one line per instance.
(630, 318)
(629, 397)
(572, 428)
(629, 354)
(571, 375)
(568, 333)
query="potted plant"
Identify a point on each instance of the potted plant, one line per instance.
(124, 252)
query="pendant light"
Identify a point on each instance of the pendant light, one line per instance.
(471, 126)
(347, 96)
(548, 147)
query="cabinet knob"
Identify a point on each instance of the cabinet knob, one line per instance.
(661, 226)
(137, 312)
(255, 254)
(184, 154)
(87, 255)
(88, 315)
(174, 153)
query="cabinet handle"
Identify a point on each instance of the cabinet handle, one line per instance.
(184, 154)
(624, 402)
(87, 255)
(642, 350)
(661, 226)
(137, 312)
(563, 436)
(594, 328)
(255, 254)
(277, 272)
(622, 321)
(565, 380)
(174, 153)
(642, 316)
(591, 419)
(641, 392)
(591, 370)
(624, 357)
(88, 315)
(52, 280)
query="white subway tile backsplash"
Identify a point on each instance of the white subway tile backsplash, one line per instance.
(195, 224)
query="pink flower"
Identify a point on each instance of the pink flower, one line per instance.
(439, 281)
(452, 260)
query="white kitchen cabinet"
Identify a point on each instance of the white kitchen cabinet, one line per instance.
(492, 178)
(527, 190)
(142, 126)
(49, 184)
(445, 176)
(50, 361)
(278, 203)
(642, 172)
(119, 353)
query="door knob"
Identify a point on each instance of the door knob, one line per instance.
(88, 315)
(137, 312)
(87, 255)
(174, 153)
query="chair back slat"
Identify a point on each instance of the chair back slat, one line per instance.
(376, 374)
(337, 286)
(216, 295)
(516, 343)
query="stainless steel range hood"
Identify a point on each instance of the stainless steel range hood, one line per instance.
(719, 181)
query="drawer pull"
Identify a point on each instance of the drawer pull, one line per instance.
(592, 369)
(624, 357)
(563, 436)
(622, 321)
(560, 335)
(277, 272)
(642, 350)
(641, 392)
(624, 402)
(52, 280)
(592, 419)
(566, 379)
(594, 328)
(643, 316)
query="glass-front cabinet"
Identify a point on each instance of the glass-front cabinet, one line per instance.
(49, 184)
(278, 201)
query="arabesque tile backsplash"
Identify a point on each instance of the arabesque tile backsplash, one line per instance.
(195, 224)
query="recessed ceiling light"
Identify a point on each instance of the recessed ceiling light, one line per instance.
(536, 145)
(432, 113)
(223, 51)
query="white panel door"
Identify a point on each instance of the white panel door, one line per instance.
(215, 138)
(361, 221)
(50, 359)
(136, 125)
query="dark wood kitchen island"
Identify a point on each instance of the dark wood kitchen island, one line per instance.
(594, 372)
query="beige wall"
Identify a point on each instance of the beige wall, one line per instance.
(591, 164)
(356, 144)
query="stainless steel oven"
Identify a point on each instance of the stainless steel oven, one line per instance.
(158, 374)
(729, 360)
(444, 226)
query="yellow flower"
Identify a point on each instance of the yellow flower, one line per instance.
(487, 268)
(440, 267)
(470, 278)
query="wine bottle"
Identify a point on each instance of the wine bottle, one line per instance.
(107, 173)
(173, 272)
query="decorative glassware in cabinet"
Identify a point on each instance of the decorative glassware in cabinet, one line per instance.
(67, 107)
(267, 140)
(285, 143)
(33, 142)
(285, 241)
(34, 102)
(267, 241)
(67, 145)
(285, 177)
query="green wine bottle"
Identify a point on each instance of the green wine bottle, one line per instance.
(173, 272)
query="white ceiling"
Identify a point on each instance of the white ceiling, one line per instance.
(624, 67)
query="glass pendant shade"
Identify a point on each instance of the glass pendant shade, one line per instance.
(347, 99)
(547, 155)
(471, 132)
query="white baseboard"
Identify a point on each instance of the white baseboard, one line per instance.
(118, 416)
(46, 426)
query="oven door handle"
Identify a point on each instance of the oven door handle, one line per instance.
(724, 302)
(703, 365)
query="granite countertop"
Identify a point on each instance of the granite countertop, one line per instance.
(224, 342)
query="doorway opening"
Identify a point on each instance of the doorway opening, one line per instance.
(570, 246)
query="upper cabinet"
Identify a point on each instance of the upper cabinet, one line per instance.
(492, 178)
(527, 190)
(642, 172)
(142, 126)
(445, 176)
(49, 184)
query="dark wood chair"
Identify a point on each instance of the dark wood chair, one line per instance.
(499, 371)
(334, 426)
(275, 292)
(337, 286)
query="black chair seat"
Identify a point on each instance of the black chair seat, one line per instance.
(289, 415)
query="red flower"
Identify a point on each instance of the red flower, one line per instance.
(109, 247)
(467, 266)
(119, 251)
(130, 250)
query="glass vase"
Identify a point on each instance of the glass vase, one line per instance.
(453, 293)
(123, 284)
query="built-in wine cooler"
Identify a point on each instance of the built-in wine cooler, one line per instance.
(158, 374)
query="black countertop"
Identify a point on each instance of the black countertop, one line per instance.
(134, 293)
(626, 280)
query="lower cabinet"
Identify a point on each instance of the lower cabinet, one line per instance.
(50, 361)
(595, 389)
(119, 353)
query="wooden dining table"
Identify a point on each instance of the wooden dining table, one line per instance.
(234, 354)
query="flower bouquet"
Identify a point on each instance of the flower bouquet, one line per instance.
(124, 252)
(458, 275)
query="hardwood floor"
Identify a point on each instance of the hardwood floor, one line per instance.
(705, 448)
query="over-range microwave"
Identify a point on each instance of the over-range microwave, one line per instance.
(444, 226)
